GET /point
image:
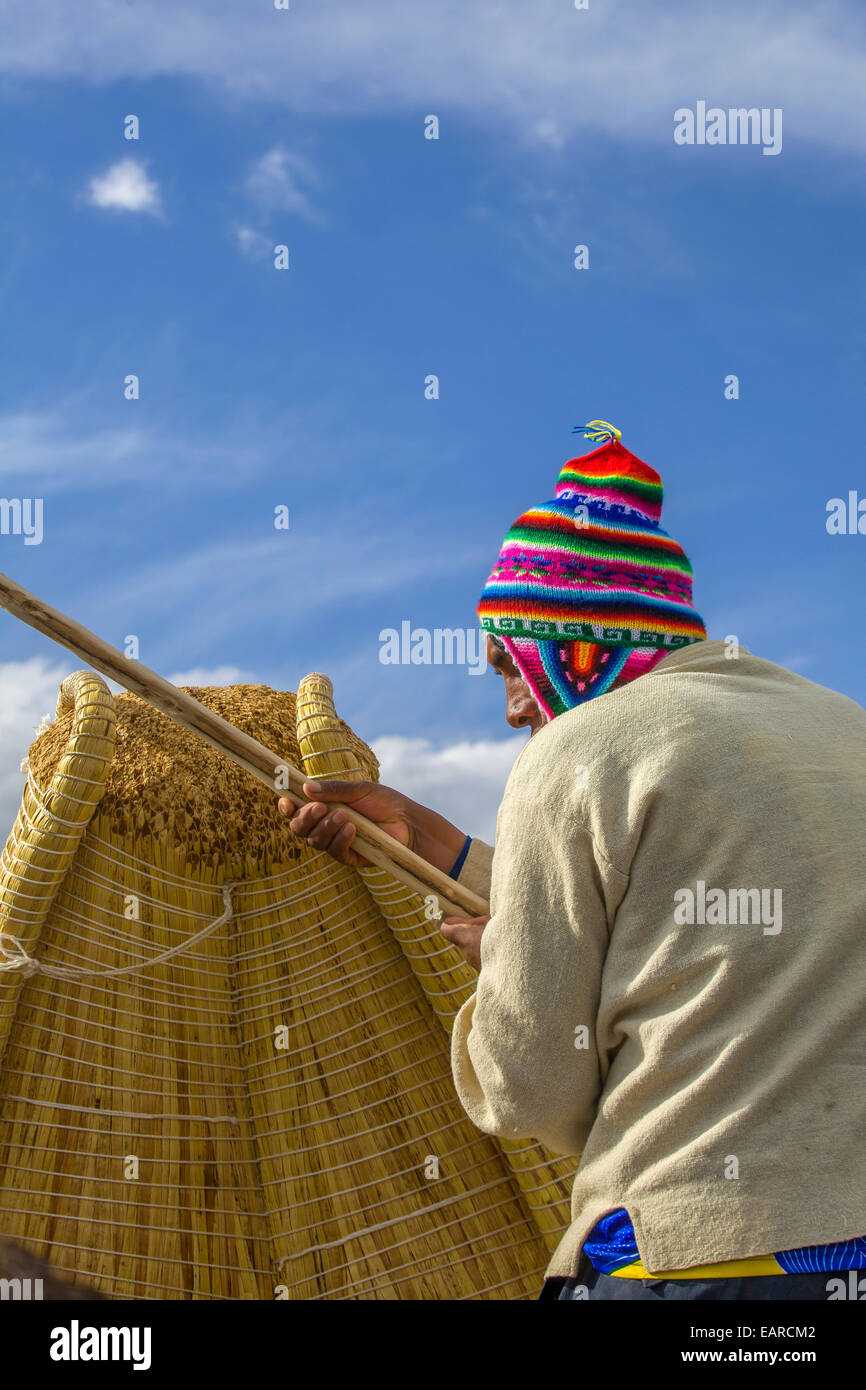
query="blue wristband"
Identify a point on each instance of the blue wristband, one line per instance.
(459, 862)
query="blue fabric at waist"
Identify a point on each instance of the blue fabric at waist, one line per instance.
(611, 1245)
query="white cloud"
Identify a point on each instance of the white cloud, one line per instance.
(211, 675)
(798, 661)
(462, 781)
(43, 443)
(547, 132)
(274, 183)
(544, 69)
(71, 455)
(253, 243)
(126, 188)
(29, 693)
(273, 187)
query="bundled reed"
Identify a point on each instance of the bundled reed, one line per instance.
(224, 1065)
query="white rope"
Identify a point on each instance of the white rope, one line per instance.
(123, 1086)
(413, 1266)
(248, 1137)
(280, 1157)
(359, 1087)
(402, 1221)
(112, 936)
(238, 1138)
(125, 1115)
(124, 859)
(123, 942)
(160, 1259)
(253, 1090)
(53, 999)
(87, 875)
(182, 997)
(78, 826)
(135, 1200)
(228, 1192)
(267, 1061)
(100, 1181)
(28, 965)
(492, 1288)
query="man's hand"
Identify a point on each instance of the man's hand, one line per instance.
(327, 828)
(465, 933)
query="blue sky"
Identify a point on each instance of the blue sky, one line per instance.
(408, 257)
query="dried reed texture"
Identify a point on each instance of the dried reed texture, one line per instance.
(269, 1113)
(19, 1264)
(46, 834)
(545, 1179)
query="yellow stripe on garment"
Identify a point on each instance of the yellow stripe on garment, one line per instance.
(729, 1269)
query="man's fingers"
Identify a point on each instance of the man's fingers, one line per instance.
(458, 933)
(336, 791)
(323, 827)
(327, 827)
(325, 830)
(328, 824)
(341, 842)
(324, 791)
(465, 934)
(460, 930)
(307, 817)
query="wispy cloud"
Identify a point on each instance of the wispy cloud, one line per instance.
(252, 242)
(234, 576)
(546, 71)
(125, 187)
(275, 183)
(206, 599)
(279, 182)
(463, 781)
(211, 675)
(71, 455)
(42, 443)
(29, 692)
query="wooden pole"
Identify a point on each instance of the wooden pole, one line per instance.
(372, 842)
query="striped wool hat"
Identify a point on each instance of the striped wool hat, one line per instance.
(589, 591)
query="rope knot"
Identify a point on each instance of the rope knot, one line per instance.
(28, 965)
(17, 959)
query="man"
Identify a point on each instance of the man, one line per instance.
(671, 980)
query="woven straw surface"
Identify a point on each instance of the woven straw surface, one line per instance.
(268, 1112)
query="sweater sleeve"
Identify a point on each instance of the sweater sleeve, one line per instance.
(523, 1048)
(476, 868)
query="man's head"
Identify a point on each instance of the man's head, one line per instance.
(588, 592)
(521, 707)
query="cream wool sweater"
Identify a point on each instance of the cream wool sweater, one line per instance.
(721, 1096)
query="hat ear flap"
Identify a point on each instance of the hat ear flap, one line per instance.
(526, 657)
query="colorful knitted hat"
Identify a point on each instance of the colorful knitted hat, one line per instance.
(589, 591)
